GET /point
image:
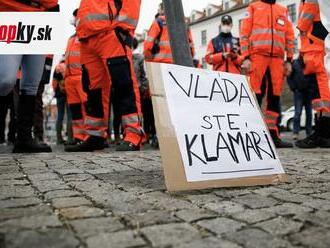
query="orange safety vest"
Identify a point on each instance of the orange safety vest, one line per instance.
(96, 16)
(309, 20)
(158, 32)
(72, 57)
(267, 30)
(27, 6)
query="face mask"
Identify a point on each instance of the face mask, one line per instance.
(73, 21)
(226, 29)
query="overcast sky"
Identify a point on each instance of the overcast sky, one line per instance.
(148, 9)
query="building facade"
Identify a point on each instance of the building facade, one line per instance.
(205, 24)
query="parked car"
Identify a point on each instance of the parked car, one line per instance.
(287, 119)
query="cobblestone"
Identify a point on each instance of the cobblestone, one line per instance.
(109, 199)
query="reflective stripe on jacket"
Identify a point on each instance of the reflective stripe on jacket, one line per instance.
(310, 22)
(267, 30)
(95, 16)
(72, 57)
(159, 28)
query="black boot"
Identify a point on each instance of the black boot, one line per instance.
(126, 146)
(313, 140)
(59, 137)
(93, 143)
(278, 142)
(324, 133)
(24, 142)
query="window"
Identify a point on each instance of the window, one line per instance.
(193, 17)
(209, 12)
(204, 38)
(246, 1)
(292, 12)
(227, 5)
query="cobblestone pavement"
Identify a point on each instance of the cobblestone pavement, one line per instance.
(118, 200)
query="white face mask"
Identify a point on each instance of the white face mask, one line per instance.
(73, 21)
(226, 29)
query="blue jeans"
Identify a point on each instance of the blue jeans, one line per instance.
(32, 68)
(303, 99)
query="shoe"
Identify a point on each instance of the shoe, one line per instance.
(31, 147)
(313, 141)
(24, 142)
(93, 143)
(310, 142)
(59, 137)
(324, 132)
(126, 146)
(282, 144)
(154, 142)
(324, 142)
(278, 142)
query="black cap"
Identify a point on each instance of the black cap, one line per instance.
(75, 13)
(226, 19)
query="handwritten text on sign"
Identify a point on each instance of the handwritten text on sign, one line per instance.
(220, 130)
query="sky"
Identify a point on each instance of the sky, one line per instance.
(148, 9)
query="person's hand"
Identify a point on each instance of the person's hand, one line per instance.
(247, 65)
(225, 55)
(287, 69)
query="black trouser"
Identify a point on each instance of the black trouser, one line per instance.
(148, 116)
(116, 123)
(7, 103)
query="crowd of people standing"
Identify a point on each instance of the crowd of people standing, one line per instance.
(102, 74)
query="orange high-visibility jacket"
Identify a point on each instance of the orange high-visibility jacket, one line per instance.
(219, 45)
(27, 6)
(158, 30)
(310, 22)
(72, 57)
(267, 30)
(96, 16)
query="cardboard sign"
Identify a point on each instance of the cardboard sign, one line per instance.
(211, 130)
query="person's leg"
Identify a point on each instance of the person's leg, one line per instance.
(298, 105)
(118, 61)
(9, 66)
(146, 126)
(273, 109)
(96, 84)
(76, 99)
(257, 78)
(32, 67)
(69, 130)
(152, 119)
(38, 120)
(320, 102)
(60, 102)
(3, 114)
(12, 122)
(309, 111)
